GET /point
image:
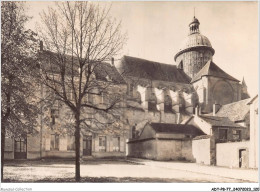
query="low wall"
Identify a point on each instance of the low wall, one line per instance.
(58, 154)
(227, 154)
(161, 149)
(108, 154)
(201, 151)
(142, 149)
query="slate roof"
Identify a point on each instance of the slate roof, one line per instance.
(141, 68)
(102, 70)
(176, 128)
(234, 111)
(211, 69)
(216, 121)
(105, 69)
(202, 137)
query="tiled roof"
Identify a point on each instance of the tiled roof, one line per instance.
(176, 128)
(141, 68)
(103, 71)
(216, 121)
(211, 69)
(202, 137)
(234, 111)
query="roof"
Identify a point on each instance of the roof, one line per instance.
(175, 128)
(195, 20)
(141, 68)
(252, 99)
(192, 41)
(216, 121)
(234, 111)
(103, 71)
(211, 69)
(202, 137)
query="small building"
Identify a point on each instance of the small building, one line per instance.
(161, 141)
(217, 130)
(238, 112)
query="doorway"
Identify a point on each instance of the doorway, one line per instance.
(20, 148)
(87, 145)
(243, 158)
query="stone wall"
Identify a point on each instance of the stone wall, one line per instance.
(254, 135)
(160, 149)
(9, 148)
(33, 147)
(194, 61)
(146, 149)
(227, 154)
(201, 150)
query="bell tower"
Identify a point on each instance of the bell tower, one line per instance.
(195, 52)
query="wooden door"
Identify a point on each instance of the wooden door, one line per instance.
(20, 148)
(242, 158)
(87, 145)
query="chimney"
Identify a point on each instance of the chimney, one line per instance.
(112, 61)
(197, 111)
(216, 107)
(41, 46)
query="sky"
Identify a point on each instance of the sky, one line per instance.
(155, 31)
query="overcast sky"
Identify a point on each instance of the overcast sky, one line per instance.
(156, 30)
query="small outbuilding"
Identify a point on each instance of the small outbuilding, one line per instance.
(161, 141)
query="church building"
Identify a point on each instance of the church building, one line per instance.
(169, 111)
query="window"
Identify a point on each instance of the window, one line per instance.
(55, 142)
(54, 114)
(20, 145)
(116, 143)
(152, 103)
(102, 143)
(70, 143)
(237, 135)
(223, 134)
(167, 104)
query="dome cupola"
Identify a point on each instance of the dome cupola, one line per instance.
(195, 51)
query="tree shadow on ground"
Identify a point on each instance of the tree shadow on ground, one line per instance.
(105, 180)
(69, 162)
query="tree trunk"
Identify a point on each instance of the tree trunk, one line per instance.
(2, 150)
(77, 144)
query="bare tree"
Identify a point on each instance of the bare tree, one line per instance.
(79, 37)
(18, 53)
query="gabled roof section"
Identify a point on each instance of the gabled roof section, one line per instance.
(236, 111)
(141, 68)
(216, 121)
(211, 69)
(176, 128)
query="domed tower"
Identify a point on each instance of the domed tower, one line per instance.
(195, 52)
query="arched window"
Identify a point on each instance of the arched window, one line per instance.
(167, 104)
(152, 103)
